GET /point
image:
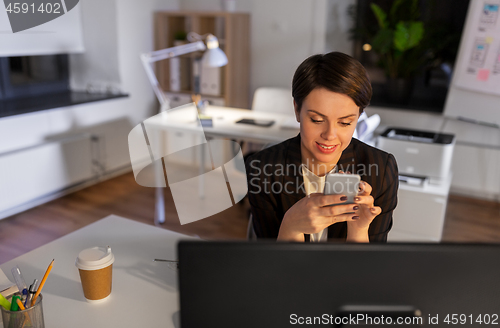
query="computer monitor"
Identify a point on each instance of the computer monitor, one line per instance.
(268, 284)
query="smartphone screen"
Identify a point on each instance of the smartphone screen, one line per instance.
(342, 184)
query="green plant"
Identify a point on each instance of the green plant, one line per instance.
(398, 37)
(180, 36)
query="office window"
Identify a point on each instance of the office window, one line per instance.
(443, 23)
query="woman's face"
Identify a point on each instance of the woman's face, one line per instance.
(327, 122)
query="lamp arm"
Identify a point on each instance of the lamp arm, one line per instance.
(154, 56)
(174, 51)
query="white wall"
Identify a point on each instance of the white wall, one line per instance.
(135, 29)
(115, 34)
(338, 23)
(99, 63)
(283, 34)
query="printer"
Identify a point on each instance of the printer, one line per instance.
(419, 154)
(424, 163)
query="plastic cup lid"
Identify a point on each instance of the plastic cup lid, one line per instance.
(95, 258)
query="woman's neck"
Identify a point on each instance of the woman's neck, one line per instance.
(319, 169)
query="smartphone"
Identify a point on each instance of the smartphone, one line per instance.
(342, 184)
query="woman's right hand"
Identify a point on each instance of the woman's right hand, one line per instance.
(312, 214)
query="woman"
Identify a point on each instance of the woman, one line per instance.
(329, 93)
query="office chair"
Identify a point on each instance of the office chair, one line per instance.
(270, 100)
(276, 100)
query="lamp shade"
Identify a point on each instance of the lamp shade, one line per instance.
(214, 58)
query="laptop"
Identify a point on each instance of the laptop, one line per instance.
(269, 284)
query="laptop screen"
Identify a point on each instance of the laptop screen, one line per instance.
(268, 284)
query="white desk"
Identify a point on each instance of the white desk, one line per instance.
(224, 126)
(144, 293)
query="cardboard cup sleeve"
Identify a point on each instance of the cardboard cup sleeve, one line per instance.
(96, 284)
(96, 272)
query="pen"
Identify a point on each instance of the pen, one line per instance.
(42, 283)
(162, 260)
(172, 264)
(31, 292)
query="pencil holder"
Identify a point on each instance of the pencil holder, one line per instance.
(32, 317)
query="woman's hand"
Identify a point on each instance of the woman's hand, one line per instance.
(312, 214)
(357, 231)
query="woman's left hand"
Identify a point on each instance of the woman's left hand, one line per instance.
(357, 230)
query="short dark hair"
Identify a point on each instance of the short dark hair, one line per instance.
(334, 71)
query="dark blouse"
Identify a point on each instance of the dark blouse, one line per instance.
(275, 184)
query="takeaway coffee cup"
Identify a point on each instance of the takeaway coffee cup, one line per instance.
(96, 267)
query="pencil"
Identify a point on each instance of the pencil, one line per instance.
(21, 306)
(42, 283)
(26, 316)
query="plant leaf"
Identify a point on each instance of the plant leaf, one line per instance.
(380, 15)
(382, 42)
(408, 35)
(416, 33)
(401, 36)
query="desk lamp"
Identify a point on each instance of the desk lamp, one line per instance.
(213, 57)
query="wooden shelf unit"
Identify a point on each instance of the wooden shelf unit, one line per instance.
(233, 32)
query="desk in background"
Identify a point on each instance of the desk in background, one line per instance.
(144, 293)
(178, 126)
(225, 126)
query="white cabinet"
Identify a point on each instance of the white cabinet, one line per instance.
(22, 131)
(46, 152)
(419, 216)
(37, 171)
